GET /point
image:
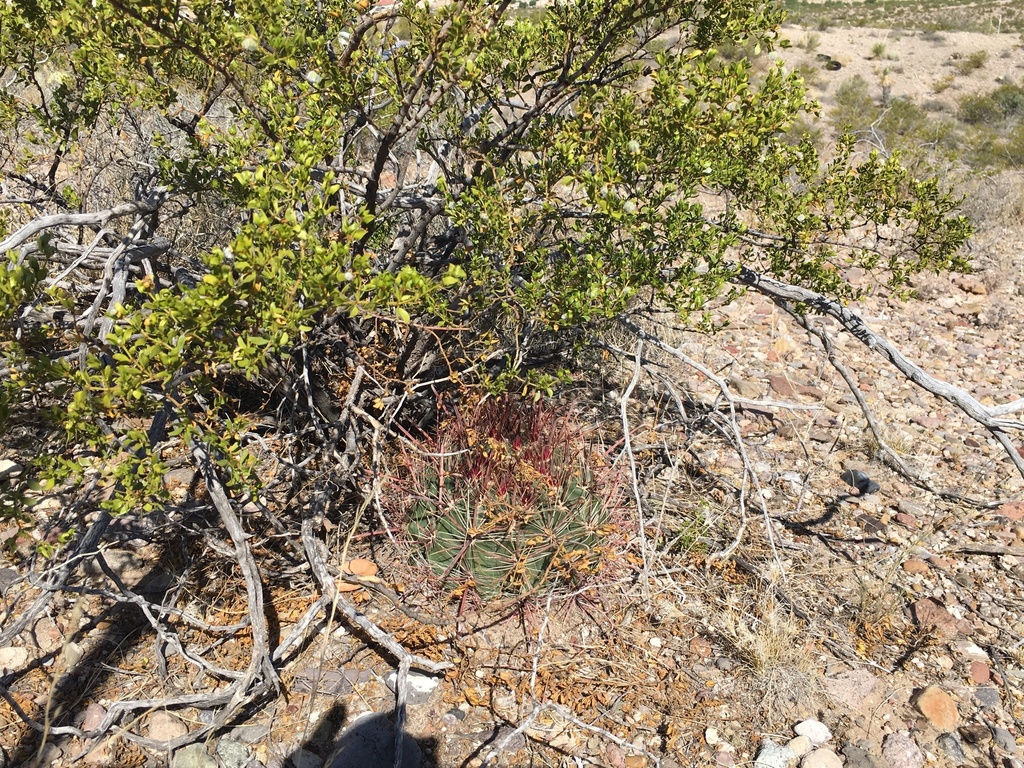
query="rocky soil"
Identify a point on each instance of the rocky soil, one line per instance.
(882, 630)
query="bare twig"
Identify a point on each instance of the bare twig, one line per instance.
(990, 418)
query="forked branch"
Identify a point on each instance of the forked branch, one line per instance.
(991, 418)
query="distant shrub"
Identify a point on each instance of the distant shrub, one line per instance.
(979, 109)
(902, 118)
(943, 84)
(855, 108)
(972, 62)
(1009, 97)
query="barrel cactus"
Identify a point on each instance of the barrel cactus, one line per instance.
(509, 499)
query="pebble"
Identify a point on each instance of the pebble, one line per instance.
(1004, 740)
(987, 696)
(232, 754)
(73, 654)
(421, 687)
(93, 718)
(193, 756)
(773, 755)
(163, 726)
(13, 658)
(822, 758)
(950, 744)
(800, 745)
(938, 708)
(900, 751)
(979, 672)
(817, 732)
(711, 737)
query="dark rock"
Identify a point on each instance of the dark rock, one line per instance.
(1004, 740)
(859, 480)
(950, 744)
(976, 734)
(858, 757)
(987, 696)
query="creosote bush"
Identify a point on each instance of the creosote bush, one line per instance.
(507, 497)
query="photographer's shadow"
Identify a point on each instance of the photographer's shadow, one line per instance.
(369, 742)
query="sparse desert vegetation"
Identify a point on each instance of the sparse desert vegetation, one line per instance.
(555, 385)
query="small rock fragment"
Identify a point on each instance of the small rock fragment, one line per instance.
(900, 751)
(822, 758)
(938, 708)
(1004, 740)
(774, 755)
(817, 732)
(193, 756)
(950, 744)
(711, 737)
(800, 745)
(859, 480)
(976, 734)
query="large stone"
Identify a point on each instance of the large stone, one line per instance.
(938, 708)
(900, 751)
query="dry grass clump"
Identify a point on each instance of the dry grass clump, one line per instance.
(770, 641)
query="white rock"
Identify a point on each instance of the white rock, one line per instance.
(420, 686)
(801, 745)
(13, 658)
(822, 758)
(817, 732)
(711, 737)
(773, 755)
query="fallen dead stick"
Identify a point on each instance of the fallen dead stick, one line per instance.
(991, 550)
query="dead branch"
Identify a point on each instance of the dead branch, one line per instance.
(312, 519)
(990, 418)
(261, 667)
(97, 218)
